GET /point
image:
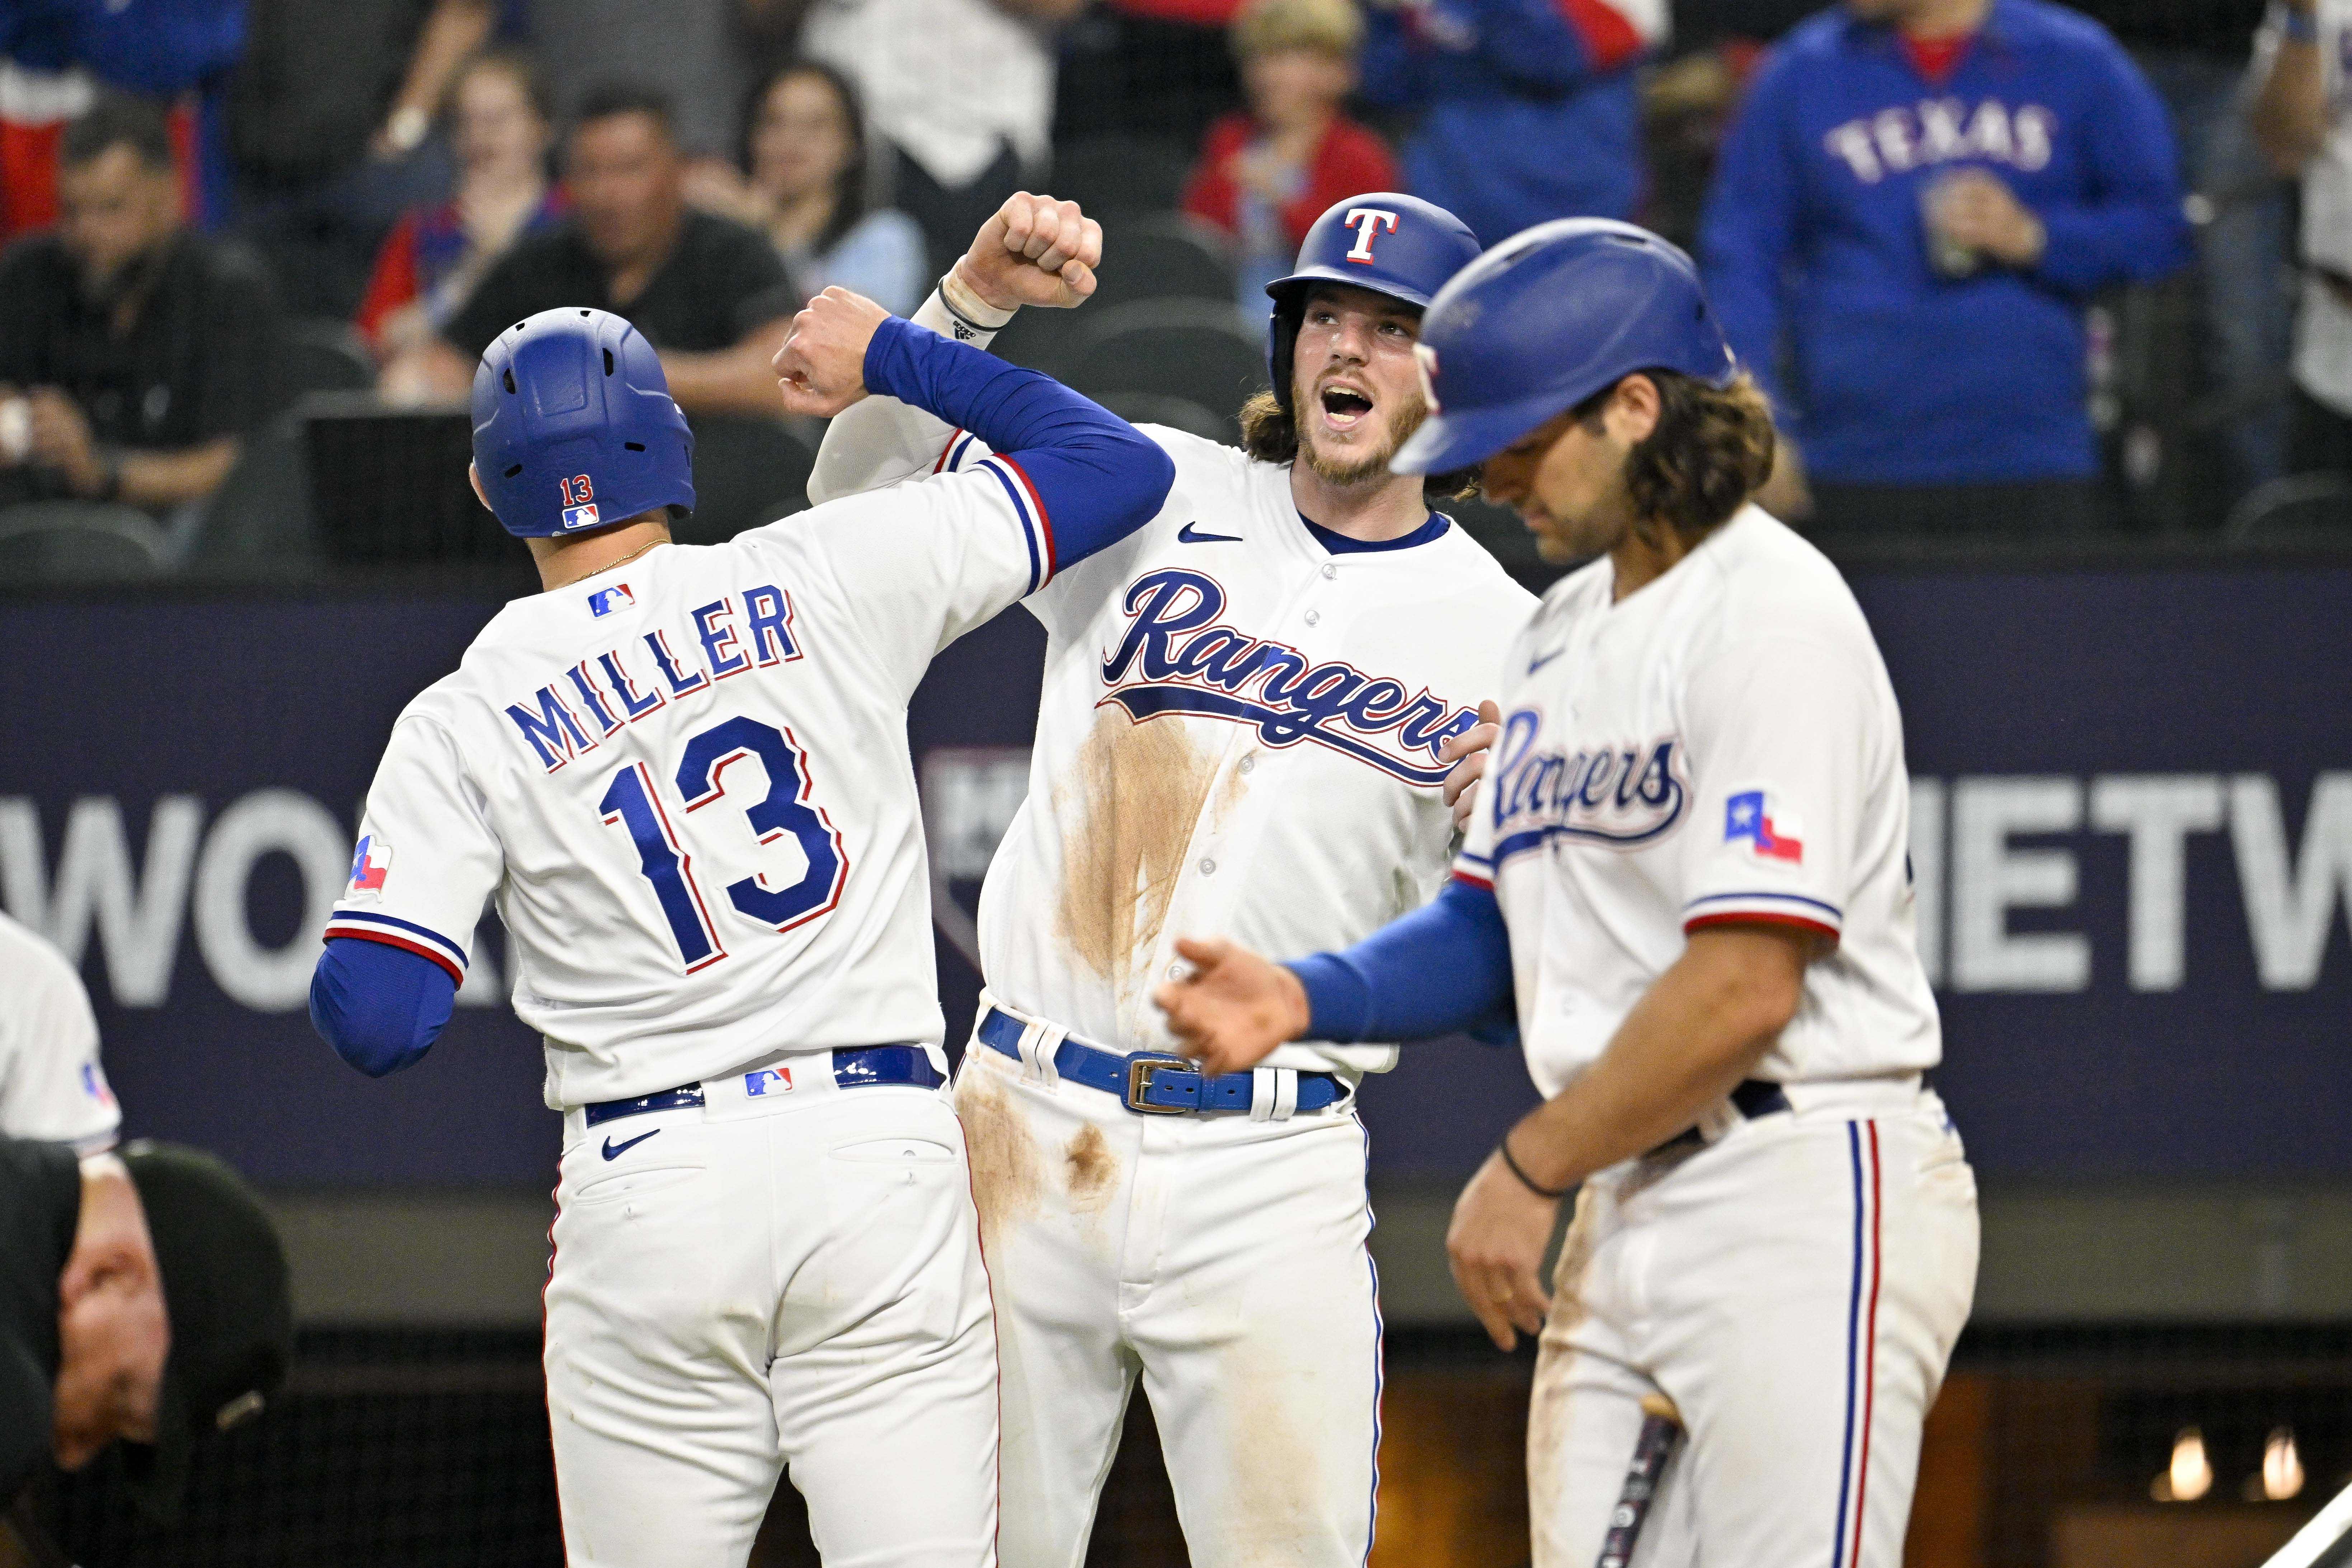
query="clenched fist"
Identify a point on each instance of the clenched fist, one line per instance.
(822, 365)
(1034, 251)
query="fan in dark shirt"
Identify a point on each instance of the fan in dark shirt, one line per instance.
(708, 294)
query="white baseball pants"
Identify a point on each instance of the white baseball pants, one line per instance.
(788, 1280)
(1221, 1260)
(1795, 1289)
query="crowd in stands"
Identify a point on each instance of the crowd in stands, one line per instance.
(1998, 262)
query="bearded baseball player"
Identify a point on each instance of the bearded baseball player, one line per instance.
(1250, 708)
(1686, 880)
(681, 772)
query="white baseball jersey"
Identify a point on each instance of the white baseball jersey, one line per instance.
(1723, 744)
(1237, 735)
(685, 780)
(51, 1085)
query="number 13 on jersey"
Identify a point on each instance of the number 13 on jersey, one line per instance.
(633, 802)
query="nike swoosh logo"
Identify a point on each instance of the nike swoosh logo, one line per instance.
(615, 1151)
(1191, 535)
(1536, 664)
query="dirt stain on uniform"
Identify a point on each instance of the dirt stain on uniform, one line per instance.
(1093, 1170)
(1130, 799)
(1006, 1174)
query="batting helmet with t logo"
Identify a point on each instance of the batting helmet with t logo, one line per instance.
(575, 428)
(1390, 243)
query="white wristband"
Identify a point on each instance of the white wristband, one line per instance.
(968, 308)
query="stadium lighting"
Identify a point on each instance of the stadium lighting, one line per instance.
(2190, 1474)
(2281, 1465)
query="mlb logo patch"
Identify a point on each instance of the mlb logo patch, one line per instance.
(579, 516)
(604, 601)
(93, 1084)
(371, 863)
(758, 1083)
(1773, 830)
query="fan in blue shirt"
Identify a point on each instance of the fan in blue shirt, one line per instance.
(1911, 210)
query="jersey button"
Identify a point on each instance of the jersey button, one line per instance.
(1314, 617)
(1208, 868)
(1249, 763)
(1175, 971)
(1330, 570)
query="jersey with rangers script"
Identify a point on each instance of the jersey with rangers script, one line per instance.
(1237, 735)
(686, 781)
(1721, 745)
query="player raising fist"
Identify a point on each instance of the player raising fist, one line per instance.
(681, 772)
(1686, 881)
(1250, 711)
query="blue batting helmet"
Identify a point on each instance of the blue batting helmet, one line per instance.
(575, 428)
(1387, 242)
(1545, 319)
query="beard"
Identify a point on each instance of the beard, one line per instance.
(1348, 473)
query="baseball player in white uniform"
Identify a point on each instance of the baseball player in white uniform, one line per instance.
(1687, 879)
(1250, 708)
(51, 1085)
(682, 774)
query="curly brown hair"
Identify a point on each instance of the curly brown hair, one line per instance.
(1712, 450)
(1270, 433)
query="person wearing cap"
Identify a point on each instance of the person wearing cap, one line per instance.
(155, 1344)
(1250, 712)
(1687, 883)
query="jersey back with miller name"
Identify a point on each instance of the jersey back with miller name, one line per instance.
(686, 781)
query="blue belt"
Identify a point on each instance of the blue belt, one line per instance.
(857, 1069)
(1753, 1098)
(1152, 1083)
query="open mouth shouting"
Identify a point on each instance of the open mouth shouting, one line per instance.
(1345, 406)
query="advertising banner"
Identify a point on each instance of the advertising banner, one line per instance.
(2132, 841)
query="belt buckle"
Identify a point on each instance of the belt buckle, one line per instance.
(1139, 1070)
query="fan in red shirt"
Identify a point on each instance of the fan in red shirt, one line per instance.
(1265, 176)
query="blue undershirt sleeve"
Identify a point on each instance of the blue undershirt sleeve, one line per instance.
(1098, 477)
(380, 1006)
(1444, 968)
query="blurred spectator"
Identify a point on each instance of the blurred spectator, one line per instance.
(709, 293)
(803, 143)
(2302, 118)
(329, 116)
(962, 88)
(55, 55)
(1528, 107)
(1914, 203)
(1265, 176)
(696, 52)
(434, 256)
(142, 349)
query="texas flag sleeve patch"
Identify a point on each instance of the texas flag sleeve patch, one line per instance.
(1772, 831)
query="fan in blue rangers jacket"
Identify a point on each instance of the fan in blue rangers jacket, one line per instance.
(1530, 109)
(1915, 204)
(682, 772)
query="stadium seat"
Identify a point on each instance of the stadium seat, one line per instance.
(1193, 349)
(260, 517)
(1164, 256)
(1122, 176)
(747, 472)
(79, 541)
(1176, 413)
(321, 354)
(2301, 507)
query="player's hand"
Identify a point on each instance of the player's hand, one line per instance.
(1495, 1246)
(1975, 209)
(1234, 1008)
(822, 365)
(1034, 251)
(1468, 752)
